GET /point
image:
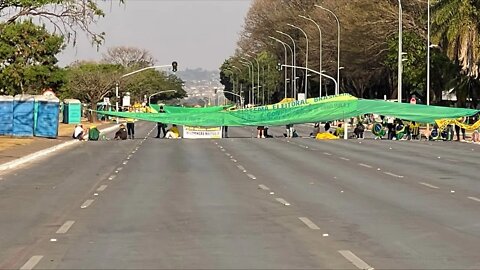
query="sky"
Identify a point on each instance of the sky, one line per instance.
(195, 33)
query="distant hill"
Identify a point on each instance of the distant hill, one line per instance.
(198, 74)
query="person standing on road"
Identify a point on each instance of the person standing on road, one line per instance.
(457, 130)
(131, 128)
(161, 126)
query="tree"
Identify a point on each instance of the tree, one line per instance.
(27, 58)
(67, 17)
(128, 57)
(456, 28)
(91, 82)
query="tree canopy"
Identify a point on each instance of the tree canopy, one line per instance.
(368, 43)
(28, 58)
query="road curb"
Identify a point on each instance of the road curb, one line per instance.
(42, 153)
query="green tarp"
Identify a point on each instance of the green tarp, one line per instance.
(309, 111)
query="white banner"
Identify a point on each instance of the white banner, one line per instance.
(202, 132)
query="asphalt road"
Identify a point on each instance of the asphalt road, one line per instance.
(243, 203)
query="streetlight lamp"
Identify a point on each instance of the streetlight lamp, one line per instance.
(306, 58)
(294, 63)
(320, 49)
(286, 56)
(166, 91)
(258, 74)
(338, 44)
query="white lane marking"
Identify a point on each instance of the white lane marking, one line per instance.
(133, 152)
(359, 263)
(86, 204)
(119, 168)
(309, 223)
(365, 165)
(326, 153)
(234, 160)
(394, 175)
(251, 176)
(263, 187)
(282, 201)
(111, 177)
(474, 199)
(32, 262)
(102, 188)
(65, 227)
(241, 168)
(227, 154)
(223, 150)
(344, 158)
(428, 185)
(125, 162)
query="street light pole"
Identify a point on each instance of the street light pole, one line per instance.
(294, 63)
(306, 58)
(400, 52)
(338, 44)
(240, 97)
(428, 54)
(258, 74)
(320, 49)
(285, 59)
(253, 80)
(250, 76)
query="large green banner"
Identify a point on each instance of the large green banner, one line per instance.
(307, 111)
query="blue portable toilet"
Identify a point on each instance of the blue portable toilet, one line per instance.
(47, 111)
(6, 115)
(72, 111)
(23, 111)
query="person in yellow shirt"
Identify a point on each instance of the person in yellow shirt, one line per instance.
(131, 128)
(173, 133)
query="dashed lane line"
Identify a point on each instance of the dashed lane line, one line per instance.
(394, 175)
(327, 154)
(263, 187)
(234, 160)
(428, 185)
(86, 204)
(359, 263)
(344, 158)
(241, 168)
(282, 201)
(65, 227)
(102, 188)
(32, 262)
(125, 162)
(251, 176)
(365, 165)
(112, 177)
(474, 199)
(309, 223)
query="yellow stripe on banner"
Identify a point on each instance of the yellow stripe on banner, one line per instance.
(445, 122)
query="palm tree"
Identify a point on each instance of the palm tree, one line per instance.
(456, 28)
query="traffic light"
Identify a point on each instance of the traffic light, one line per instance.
(174, 66)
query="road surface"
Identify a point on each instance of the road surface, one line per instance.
(244, 203)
